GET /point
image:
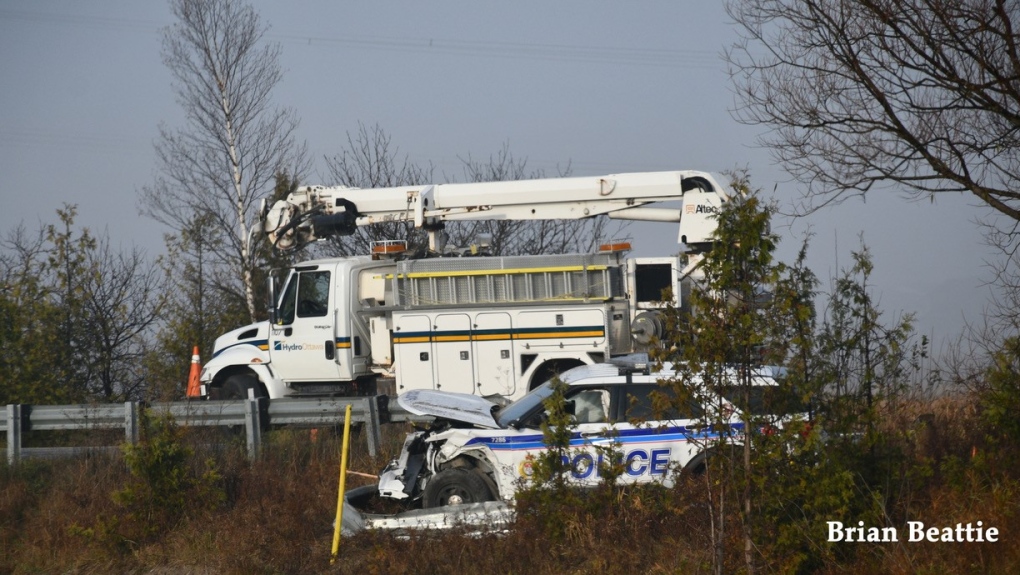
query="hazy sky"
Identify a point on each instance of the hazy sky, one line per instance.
(605, 87)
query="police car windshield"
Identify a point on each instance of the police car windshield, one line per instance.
(523, 406)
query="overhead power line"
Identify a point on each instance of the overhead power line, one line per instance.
(602, 54)
(534, 51)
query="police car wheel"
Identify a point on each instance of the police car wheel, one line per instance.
(455, 486)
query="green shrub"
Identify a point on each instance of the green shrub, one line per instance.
(165, 487)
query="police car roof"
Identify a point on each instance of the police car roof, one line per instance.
(639, 363)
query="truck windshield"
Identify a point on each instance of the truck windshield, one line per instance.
(307, 294)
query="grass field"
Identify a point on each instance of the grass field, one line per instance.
(91, 515)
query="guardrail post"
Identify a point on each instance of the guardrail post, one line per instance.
(372, 426)
(131, 433)
(253, 426)
(13, 434)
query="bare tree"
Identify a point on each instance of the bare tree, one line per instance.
(234, 142)
(77, 314)
(1003, 313)
(371, 161)
(531, 237)
(124, 294)
(924, 94)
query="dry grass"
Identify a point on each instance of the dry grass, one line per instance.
(60, 517)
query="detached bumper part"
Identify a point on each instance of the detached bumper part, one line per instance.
(487, 517)
(391, 484)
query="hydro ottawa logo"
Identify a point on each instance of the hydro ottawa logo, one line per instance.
(280, 346)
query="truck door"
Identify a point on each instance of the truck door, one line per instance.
(412, 346)
(451, 342)
(301, 341)
(494, 353)
(351, 335)
(584, 327)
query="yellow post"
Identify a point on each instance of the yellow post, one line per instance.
(343, 482)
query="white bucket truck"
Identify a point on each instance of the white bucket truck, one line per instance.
(483, 325)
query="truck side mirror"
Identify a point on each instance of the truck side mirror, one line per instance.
(271, 296)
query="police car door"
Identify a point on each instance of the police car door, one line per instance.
(591, 435)
(594, 440)
(642, 448)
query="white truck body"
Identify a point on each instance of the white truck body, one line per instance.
(366, 331)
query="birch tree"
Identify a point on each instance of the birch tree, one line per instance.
(233, 141)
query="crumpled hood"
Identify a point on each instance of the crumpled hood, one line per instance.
(462, 407)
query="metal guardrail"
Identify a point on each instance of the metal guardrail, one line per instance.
(256, 415)
(397, 414)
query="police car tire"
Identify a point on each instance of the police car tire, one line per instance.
(466, 484)
(700, 463)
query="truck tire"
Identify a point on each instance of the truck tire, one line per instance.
(237, 386)
(457, 485)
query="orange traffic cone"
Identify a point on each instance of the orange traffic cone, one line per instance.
(194, 388)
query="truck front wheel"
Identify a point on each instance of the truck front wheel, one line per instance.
(237, 386)
(455, 486)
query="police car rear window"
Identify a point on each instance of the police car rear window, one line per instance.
(650, 402)
(766, 399)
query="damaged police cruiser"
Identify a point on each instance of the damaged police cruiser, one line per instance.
(475, 451)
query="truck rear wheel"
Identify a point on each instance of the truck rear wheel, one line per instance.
(551, 369)
(455, 486)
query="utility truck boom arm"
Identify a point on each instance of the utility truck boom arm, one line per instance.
(317, 212)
